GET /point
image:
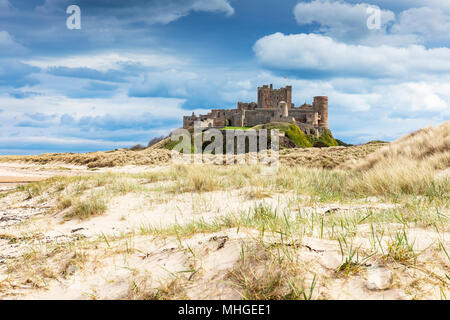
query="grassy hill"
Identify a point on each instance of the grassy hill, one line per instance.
(291, 131)
(301, 140)
(427, 148)
(408, 165)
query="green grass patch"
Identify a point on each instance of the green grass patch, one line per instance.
(326, 139)
(88, 208)
(237, 128)
(291, 131)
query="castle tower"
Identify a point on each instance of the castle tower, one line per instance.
(320, 104)
(288, 90)
(263, 96)
(268, 97)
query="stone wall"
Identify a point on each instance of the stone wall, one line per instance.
(220, 122)
(270, 108)
(308, 116)
(188, 121)
(247, 106)
(259, 116)
(270, 98)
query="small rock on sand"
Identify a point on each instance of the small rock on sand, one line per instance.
(330, 261)
(379, 279)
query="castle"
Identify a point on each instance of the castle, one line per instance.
(274, 105)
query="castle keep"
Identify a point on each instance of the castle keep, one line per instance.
(274, 105)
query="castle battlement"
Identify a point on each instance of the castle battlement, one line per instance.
(274, 105)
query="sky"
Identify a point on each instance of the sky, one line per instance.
(137, 66)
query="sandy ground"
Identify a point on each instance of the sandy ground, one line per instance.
(14, 174)
(200, 263)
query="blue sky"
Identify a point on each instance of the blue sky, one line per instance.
(136, 67)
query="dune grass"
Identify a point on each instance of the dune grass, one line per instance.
(409, 193)
(397, 183)
(270, 274)
(87, 208)
(426, 149)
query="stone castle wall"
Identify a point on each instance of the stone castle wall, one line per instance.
(270, 98)
(273, 105)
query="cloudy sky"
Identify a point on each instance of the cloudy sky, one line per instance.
(137, 66)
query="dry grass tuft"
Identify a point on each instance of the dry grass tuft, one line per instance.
(261, 274)
(87, 208)
(38, 265)
(64, 203)
(142, 289)
(100, 159)
(407, 166)
(427, 148)
(327, 158)
(400, 248)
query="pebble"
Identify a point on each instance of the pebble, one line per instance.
(379, 279)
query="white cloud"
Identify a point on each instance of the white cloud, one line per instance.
(421, 96)
(151, 12)
(431, 24)
(200, 86)
(417, 21)
(56, 123)
(400, 5)
(107, 61)
(320, 53)
(339, 19)
(170, 82)
(165, 12)
(213, 5)
(375, 97)
(117, 105)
